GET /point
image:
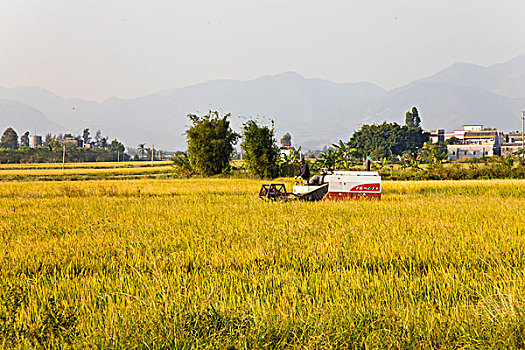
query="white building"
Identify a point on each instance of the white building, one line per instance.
(35, 141)
(473, 127)
(475, 142)
(436, 135)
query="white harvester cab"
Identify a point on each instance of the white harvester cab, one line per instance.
(338, 185)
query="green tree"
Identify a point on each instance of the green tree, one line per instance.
(104, 142)
(210, 142)
(9, 139)
(48, 138)
(412, 138)
(386, 140)
(24, 140)
(116, 147)
(452, 141)
(260, 148)
(412, 119)
(98, 138)
(377, 141)
(142, 150)
(286, 139)
(86, 136)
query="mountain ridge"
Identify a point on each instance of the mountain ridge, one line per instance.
(28, 118)
(315, 111)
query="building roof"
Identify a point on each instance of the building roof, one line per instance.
(481, 134)
(471, 145)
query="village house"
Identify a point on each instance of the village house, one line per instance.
(513, 143)
(72, 141)
(474, 142)
(436, 135)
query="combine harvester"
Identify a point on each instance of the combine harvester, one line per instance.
(336, 185)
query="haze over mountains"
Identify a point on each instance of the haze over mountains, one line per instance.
(316, 112)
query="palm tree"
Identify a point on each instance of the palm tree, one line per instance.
(142, 150)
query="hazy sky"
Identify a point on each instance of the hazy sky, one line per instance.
(101, 48)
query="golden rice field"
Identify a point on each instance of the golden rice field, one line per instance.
(82, 171)
(83, 165)
(200, 263)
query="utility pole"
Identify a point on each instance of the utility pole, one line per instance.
(522, 130)
(63, 156)
(118, 156)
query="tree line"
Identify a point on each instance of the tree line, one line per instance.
(16, 150)
(211, 145)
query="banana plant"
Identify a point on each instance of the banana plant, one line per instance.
(381, 164)
(440, 157)
(329, 159)
(287, 160)
(293, 157)
(181, 163)
(411, 161)
(343, 154)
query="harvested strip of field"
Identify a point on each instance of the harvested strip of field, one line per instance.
(203, 263)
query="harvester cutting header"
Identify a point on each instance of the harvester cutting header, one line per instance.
(334, 185)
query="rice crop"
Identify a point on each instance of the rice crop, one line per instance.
(91, 165)
(83, 171)
(204, 263)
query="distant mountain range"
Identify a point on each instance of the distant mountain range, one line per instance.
(316, 112)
